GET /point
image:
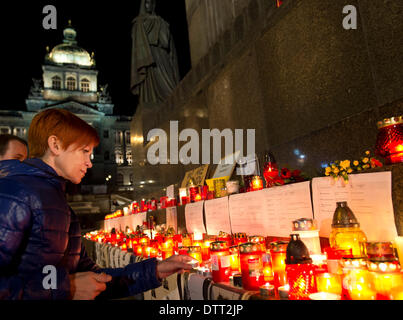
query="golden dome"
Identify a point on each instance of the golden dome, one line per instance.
(69, 52)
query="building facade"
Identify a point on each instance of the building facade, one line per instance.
(69, 81)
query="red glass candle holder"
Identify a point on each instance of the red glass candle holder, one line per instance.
(389, 143)
(250, 255)
(301, 278)
(234, 259)
(220, 261)
(195, 253)
(270, 170)
(204, 192)
(163, 201)
(278, 253)
(185, 200)
(260, 240)
(183, 251)
(239, 238)
(193, 191)
(256, 183)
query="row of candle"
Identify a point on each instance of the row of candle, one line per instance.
(186, 195)
(259, 266)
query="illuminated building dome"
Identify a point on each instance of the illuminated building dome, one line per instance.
(69, 52)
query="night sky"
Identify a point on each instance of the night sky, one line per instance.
(102, 26)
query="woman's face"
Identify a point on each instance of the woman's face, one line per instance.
(72, 163)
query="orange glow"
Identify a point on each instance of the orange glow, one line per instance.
(328, 282)
(257, 183)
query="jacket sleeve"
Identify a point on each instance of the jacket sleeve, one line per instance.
(133, 279)
(86, 263)
(15, 222)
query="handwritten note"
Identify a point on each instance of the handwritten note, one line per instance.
(217, 216)
(137, 220)
(194, 217)
(369, 196)
(285, 204)
(172, 218)
(247, 213)
(270, 212)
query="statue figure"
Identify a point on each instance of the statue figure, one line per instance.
(154, 73)
(36, 89)
(104, 95)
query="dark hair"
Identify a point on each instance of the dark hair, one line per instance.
(5, 139)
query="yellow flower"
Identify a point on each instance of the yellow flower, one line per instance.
(365, 160)
(356, 163)
(345, 164)
(328, 169)
(349, 170)
(367, 152)
(336, 170)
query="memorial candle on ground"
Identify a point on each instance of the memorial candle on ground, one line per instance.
(220, 261)
(251, 265)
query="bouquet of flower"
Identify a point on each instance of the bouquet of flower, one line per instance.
(343, 168)
(286, 176)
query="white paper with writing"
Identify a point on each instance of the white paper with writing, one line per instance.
(217, 216)
(270, 212)
(172, 218)
(171, 191)
(194, 217)
(369, 196)
(285, 204)
(137, 220)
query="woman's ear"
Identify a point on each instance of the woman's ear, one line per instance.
(54, 144)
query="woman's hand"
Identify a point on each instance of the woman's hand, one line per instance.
(87, 285)
(172, 265)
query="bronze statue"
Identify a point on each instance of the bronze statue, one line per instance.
(154, 73)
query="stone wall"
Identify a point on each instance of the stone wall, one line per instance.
(308, 86)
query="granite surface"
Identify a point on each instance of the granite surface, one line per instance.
(312, 90)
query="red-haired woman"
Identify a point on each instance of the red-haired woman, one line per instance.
(38, 229)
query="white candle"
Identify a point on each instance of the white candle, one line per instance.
(283, 292)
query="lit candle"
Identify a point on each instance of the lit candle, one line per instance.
(234, 259)
(250, 255)
(195, 253)
(278, 256)
(144, 240)
(359, 284)
(283, 292)
(186, 241)
(328, 282)
(183, 193)
(220, 261)
(267, 290)
(167, 249)
(324, 296)
(206, 249)
(257, 183)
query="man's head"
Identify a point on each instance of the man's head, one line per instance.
(12, 147)
(64, 141)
